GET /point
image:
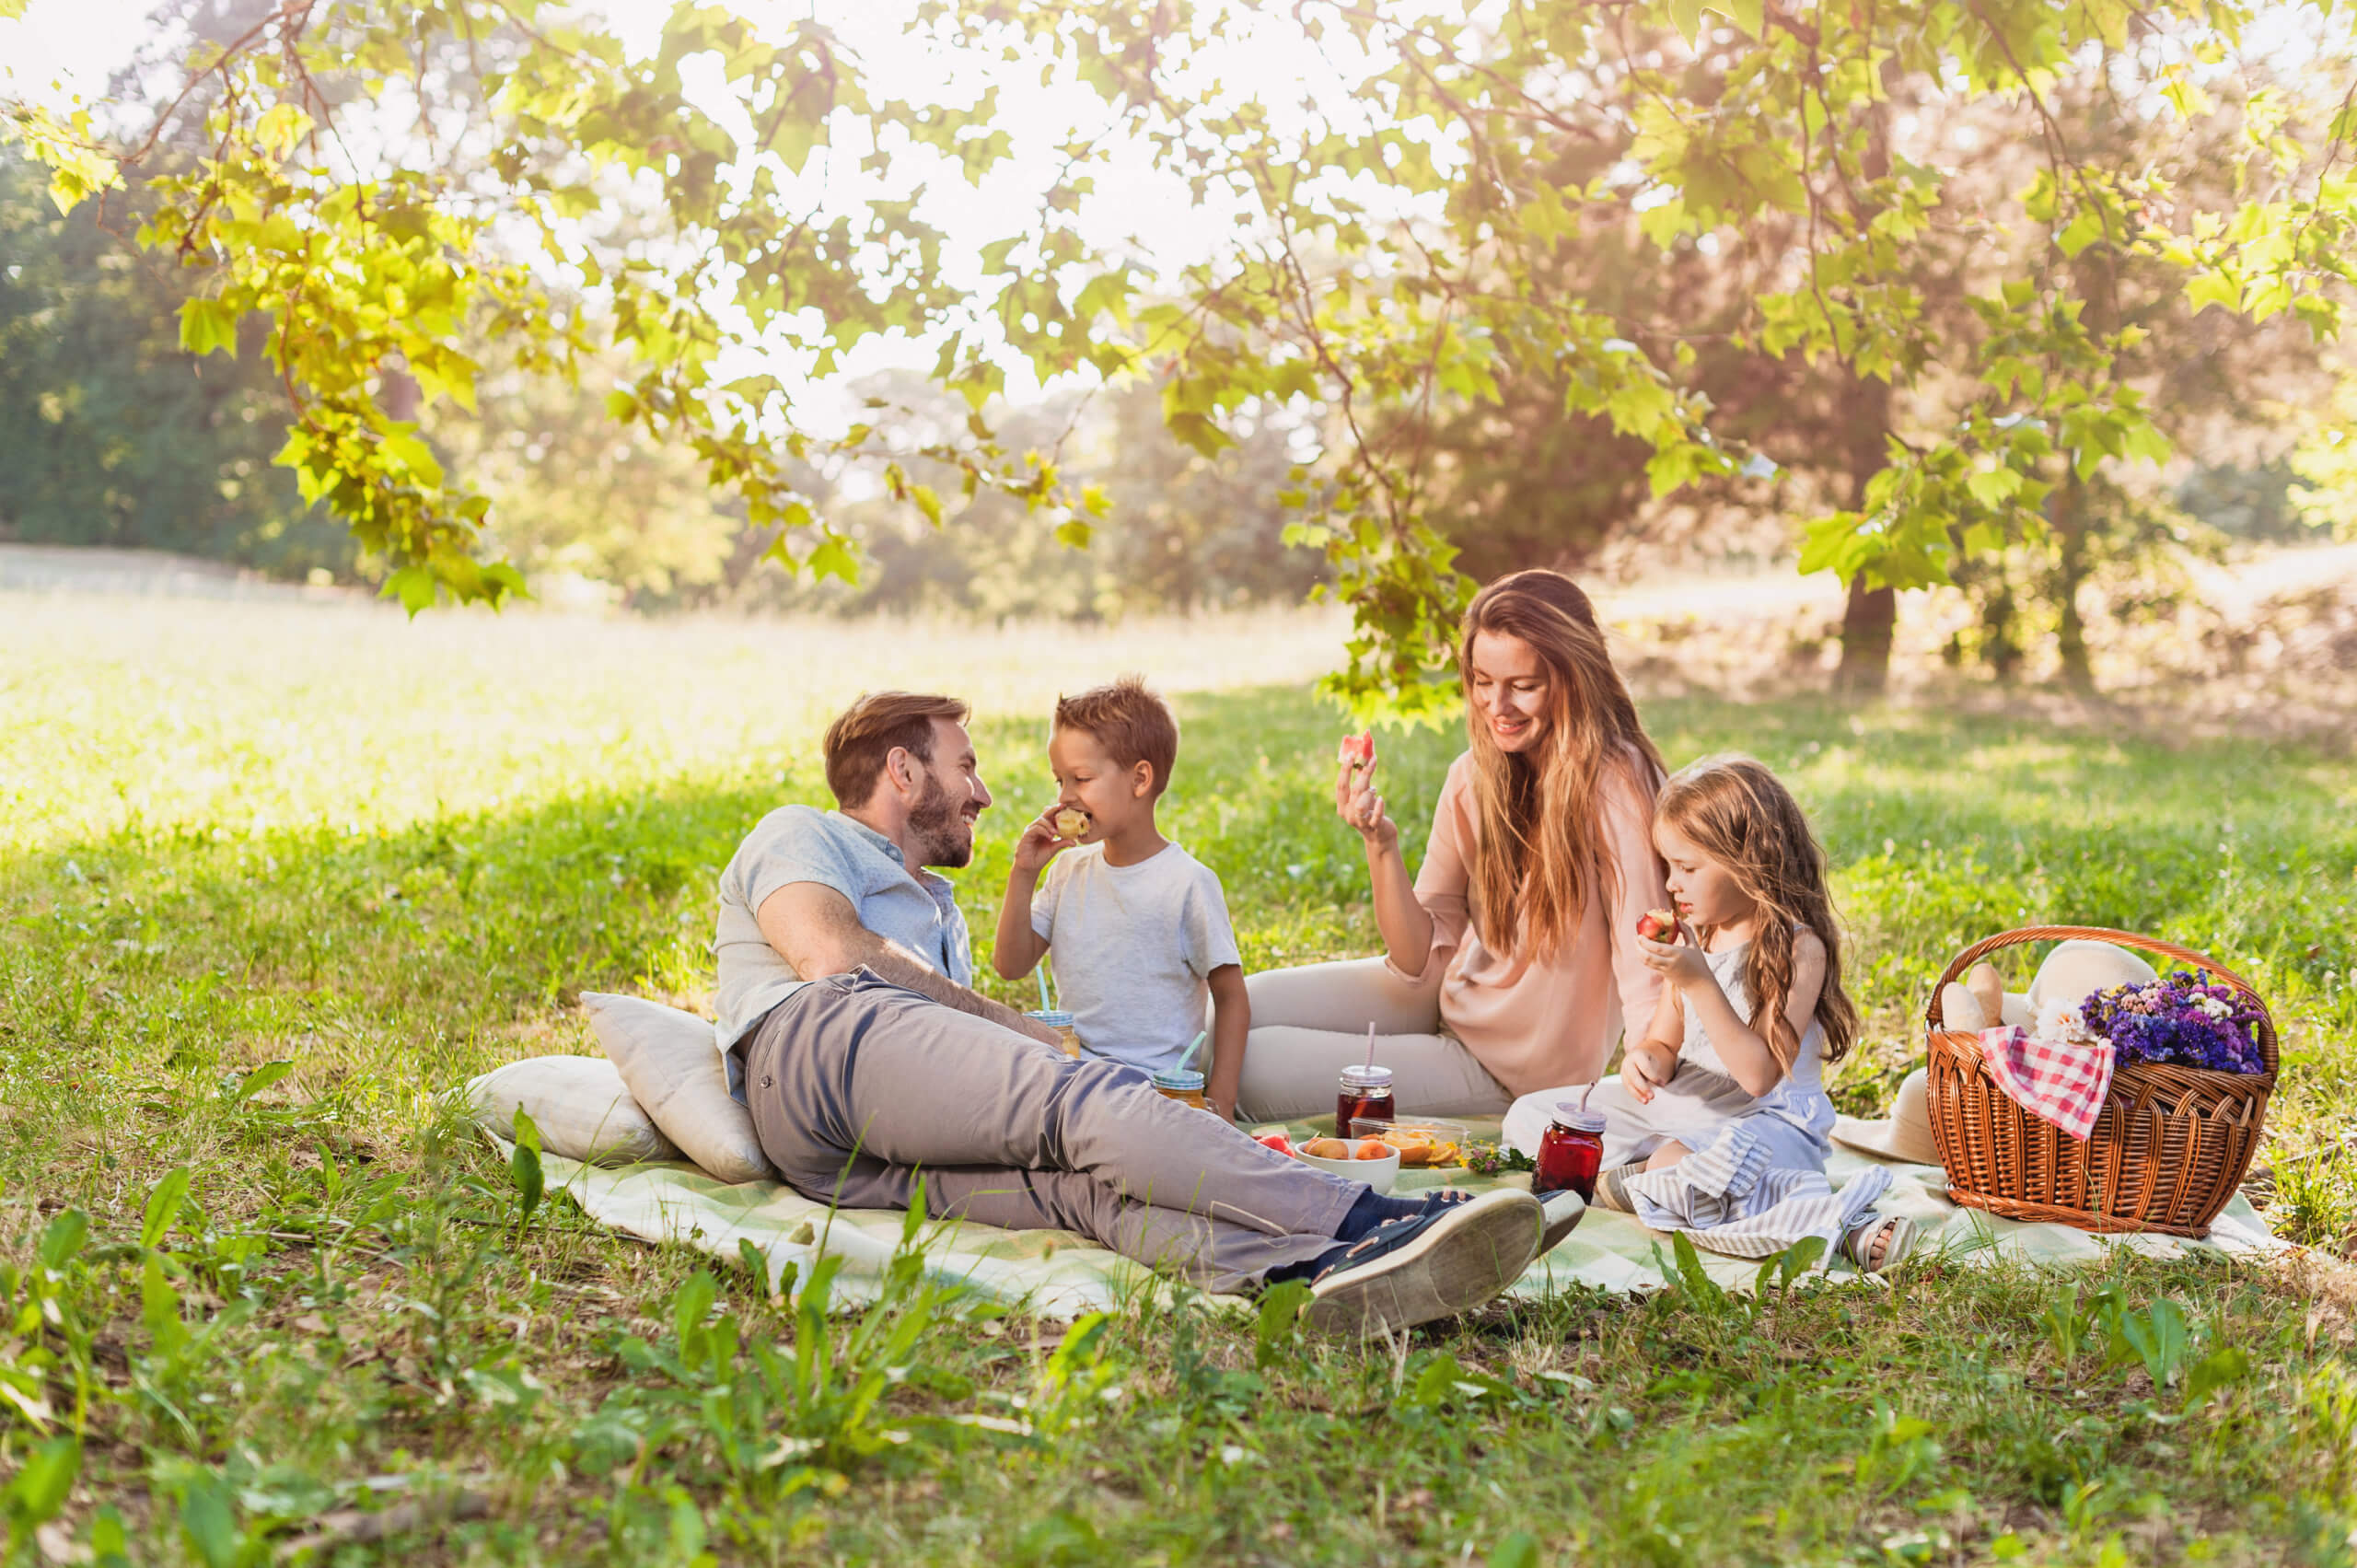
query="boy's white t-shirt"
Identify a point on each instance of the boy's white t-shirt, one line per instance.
(1133, 947)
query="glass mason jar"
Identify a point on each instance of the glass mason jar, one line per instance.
(1185, 1085)
(1569, 1153)
(1066, 1035)
(1366, 1095)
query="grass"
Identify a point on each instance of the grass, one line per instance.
(262, 1314)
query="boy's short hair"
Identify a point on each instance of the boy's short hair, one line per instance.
(864, 733)
(1133, 724)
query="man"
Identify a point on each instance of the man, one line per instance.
(871, 1069)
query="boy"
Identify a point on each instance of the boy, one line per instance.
(1139, 927)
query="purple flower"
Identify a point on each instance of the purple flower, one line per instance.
(2184, 1017)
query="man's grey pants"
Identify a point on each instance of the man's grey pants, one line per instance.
(858, 1087)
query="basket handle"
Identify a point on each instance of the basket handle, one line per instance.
(2027, 934)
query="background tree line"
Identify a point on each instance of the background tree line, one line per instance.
(115, 436)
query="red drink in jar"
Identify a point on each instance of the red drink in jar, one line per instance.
(1366, 1093)
(1571, 1152)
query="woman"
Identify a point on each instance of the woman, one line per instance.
(1510, 963)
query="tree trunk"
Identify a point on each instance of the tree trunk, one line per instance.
(1870, 619)
(1868, 622)
(2070, 572)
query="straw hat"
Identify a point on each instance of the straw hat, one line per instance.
(1904, 1135)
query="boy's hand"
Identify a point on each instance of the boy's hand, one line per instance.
(1040, 843)
(1645, 1069)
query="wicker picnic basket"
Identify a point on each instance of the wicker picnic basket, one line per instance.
(2167, 1153)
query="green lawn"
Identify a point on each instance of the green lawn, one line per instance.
(390, 855)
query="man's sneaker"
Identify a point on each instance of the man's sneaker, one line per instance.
(1564, 1211)
(1434, 1265)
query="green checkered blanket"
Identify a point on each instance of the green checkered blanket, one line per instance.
(1060, 1275)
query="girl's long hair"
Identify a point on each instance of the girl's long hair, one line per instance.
(1541, 855)
(1734, 811)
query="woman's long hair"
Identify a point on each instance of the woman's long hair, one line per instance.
(1541, 855)
(1733, 810)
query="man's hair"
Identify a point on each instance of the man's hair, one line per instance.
(864, 733)
(1133, 724)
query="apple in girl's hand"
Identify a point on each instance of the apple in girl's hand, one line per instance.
(1358, 750)
(1658, 926)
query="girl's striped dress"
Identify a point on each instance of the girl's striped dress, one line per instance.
(1754, 1183)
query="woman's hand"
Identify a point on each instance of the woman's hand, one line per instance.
(1681, 965)
(1040, 843)
(1646, 1068)
(1357, 804)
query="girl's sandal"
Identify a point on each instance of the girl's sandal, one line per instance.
(1880, 1246)
(1612, 1192)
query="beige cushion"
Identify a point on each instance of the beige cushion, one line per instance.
(1960, 1009)
(580, 1105)
(670, 1061)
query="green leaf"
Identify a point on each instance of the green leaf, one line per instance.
(413, 586)
(1798, 1260)
(2211, 289)
(163, 1206)
(2222, 1367)
(1749, 15)
(206, 325)
(1519, 1550)
(1698, 1282)
(524, 1168)
(41, 1483)
(2084, 231)
(2159, 1337)
(1994, 487)
(1686, 16)
(832, 557)
(1281, 1308)
(260, 1078)
(63, 1238)
(210, 1523)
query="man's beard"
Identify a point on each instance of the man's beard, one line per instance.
(943, 836)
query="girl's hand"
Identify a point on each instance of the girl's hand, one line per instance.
(1645, 1069)
(1040, 843)
(1677, 962)
(1357, 804)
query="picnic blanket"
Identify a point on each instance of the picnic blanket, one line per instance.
(1057, 1273)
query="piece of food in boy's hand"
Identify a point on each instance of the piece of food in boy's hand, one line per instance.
(1658, 926)
(1358, 750)
(1371, 1149)
(1070, 822)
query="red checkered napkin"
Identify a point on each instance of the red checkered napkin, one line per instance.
(2063, 1082)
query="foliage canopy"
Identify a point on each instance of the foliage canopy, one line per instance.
(414, 189)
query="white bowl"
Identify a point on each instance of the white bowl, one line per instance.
(1378, 1174)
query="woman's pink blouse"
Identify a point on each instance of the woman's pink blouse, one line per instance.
(1539, 1022)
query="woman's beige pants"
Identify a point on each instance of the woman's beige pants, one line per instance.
(1309, 1023)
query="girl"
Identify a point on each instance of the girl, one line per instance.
(1720, 1111)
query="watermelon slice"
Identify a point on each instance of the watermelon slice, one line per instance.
(1358, 750)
